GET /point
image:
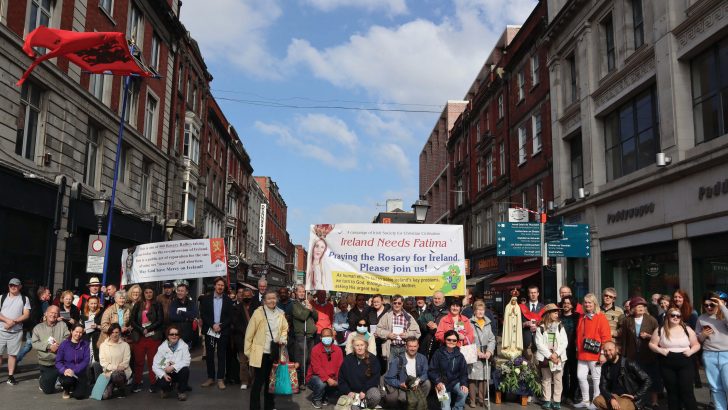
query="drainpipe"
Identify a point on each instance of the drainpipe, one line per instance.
(53, 237)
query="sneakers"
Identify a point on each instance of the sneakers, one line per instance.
(547, 405)
(66, 395)
(582, 405)
(153, 388)
(136, 388)
(556, 406)
(11, 380)
(243, 387)
(221, 385)
(316, 405)
(207, 383)
(591, 407)
(324, 402)
(182, 396)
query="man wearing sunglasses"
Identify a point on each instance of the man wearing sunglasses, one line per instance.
(614, 313)
(323, 373)
(172, 364)
(395, 327)
(14, 310)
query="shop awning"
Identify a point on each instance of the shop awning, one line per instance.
(474, 281)
(513, 279)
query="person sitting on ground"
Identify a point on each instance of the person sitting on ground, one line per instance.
(47, 338)
(361, 330)
(72, 359)
(404, 370)
(449, 373)
(114, 355)
(359, 375)
(323, 373)
(623, 384)
(172, 364)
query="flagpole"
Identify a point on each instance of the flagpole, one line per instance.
(127, 84)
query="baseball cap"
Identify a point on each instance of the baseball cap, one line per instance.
(168, 285)
(15, 281)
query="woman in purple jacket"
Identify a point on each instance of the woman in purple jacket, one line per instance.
(72, 359)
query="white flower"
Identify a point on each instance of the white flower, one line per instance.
(518, 371)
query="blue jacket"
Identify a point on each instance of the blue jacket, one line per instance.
(448, 368)
(397, 374)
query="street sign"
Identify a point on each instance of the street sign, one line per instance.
(95, 254)
(554, 230)
(517, 215)
(518, 239)
(576, 242)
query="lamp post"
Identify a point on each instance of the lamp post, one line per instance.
(420, 207)
(101, 209)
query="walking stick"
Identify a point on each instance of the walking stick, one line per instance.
(305, 322)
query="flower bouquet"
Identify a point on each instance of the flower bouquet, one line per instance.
(519, 377)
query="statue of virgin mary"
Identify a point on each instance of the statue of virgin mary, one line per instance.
(512, 338)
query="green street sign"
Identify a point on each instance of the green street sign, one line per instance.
(518, 239)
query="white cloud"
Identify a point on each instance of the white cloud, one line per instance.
(419, 61)
(391, 7)
(393, 156)
(346, 213)
(335, 128)
(395, 128)
(234, 31)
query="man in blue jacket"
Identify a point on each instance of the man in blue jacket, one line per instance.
(412, 365)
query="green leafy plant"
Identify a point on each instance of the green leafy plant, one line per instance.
(518, 376)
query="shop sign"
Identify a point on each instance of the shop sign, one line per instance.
(631, 213)
(719, 267)
(707, 192)
(517, 215)
(653, 269)
(487, 264)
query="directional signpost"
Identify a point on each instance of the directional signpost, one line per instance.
(523, 239)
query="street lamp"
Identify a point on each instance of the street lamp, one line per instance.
(101, 209)
(420, 206)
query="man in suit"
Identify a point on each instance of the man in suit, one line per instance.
(531, 315)
(259, 295)
(216, 311)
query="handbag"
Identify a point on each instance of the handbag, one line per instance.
(589, 345)
(101, 382)
(275, 348)
(283, 376)
(470, 352)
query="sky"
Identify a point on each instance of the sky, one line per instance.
(334, 99)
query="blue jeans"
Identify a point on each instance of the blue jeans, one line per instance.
(457, 396)
(319, 389)
(27, 346)
(716, 370)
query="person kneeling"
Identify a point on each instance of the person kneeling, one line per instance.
(172, 364)
(72, 359)
(449, 373)
(359, 376)
(406, 379)
(322, 374)
(623, 383)
(114, 356)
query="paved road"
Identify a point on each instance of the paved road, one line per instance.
(27, 396)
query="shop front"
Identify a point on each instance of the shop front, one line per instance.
(484, 269)
(641, 270)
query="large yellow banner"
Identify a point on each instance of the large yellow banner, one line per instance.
(411, 260)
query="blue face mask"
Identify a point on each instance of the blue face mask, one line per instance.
(361, 329)
(327, 340)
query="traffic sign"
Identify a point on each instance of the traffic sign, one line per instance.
(518, 239)
(576, 243)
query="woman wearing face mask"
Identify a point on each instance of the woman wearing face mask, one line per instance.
(72, 359)
(712, 331)
(323, 373)
(362, 330)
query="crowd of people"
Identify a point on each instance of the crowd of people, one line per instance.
(368, 351)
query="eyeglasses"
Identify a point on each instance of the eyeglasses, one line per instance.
(608, 296)
(13, 285)
(173, 334)
(675, 315)
(709, 305)
(451, 340)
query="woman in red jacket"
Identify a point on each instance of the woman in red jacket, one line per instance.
(591, 333)
(457, 322)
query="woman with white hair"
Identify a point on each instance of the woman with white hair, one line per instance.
(592, 332)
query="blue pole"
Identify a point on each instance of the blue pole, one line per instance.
(127, 84)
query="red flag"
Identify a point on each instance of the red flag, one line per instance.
(94, 52)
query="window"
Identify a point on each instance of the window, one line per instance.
(477, 239)
(192, 143)
(477, 130)
(28, 121)
(522, 151)
(710, 92)
(480, 176)
(132, 102)
(631, 136)
(154, 60)
(638, 23)
(150, 119)
(534, 70)
(521, 85)
(40, 14)
(92, 152)
(107, 5)
(539, 196)
(459, 192)
(96, 85)
(536, 132)
(194, 99)
(489, 168)
(145, 185)
(577, 166)
(190, 208)
(123, 159)
(608, 27)
(502, 212)
(489, 227)
(135, 27)
(501, 112)
(573, 79)
(181, 78)
(524, 200)
(502, 159)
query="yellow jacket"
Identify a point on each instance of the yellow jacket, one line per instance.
(255, 334)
